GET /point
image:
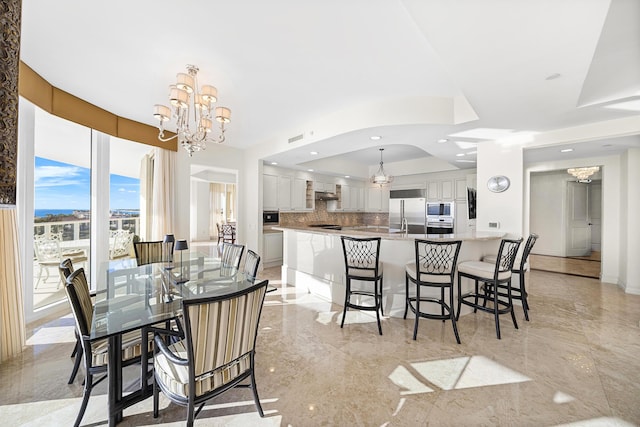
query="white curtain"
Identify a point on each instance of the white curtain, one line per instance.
(12, 330)
(146, 196)
(164, 178)
(216, 194)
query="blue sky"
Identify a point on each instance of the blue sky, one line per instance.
(64, 186)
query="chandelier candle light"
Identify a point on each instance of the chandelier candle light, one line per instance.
(194, 112)
(380, 177)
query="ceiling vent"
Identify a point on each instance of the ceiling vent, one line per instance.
(296, 138)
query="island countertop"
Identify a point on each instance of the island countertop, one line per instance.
(386, 234)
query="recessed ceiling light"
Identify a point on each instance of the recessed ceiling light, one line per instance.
(460, 154)
(274, 163)
(314, 153)
(376, 137)
(309, 170)
(442, 141)
(465, 161)
(347, 176)
(566, 150)
(553, 76)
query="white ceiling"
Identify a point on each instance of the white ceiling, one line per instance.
(338, 72)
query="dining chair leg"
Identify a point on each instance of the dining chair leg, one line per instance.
(85, 399)
(406, 295)
(417, 312)
(523, 297)
(156, 398)
(255, 394)
(453, 316)
(76, 363)
(381, 305)
(510, 299)
(346, 300)
(496, 314)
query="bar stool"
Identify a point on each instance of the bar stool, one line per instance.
(433, 267)
(362, 262)
(520, 266)
(492, 275)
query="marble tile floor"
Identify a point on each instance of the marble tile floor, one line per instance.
(576, 363)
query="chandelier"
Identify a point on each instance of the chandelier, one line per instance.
(380, 177)
(583, 174)
(193, 111)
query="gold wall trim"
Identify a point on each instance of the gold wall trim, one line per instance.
(62, 104)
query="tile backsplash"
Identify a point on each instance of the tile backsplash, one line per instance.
(321, 216)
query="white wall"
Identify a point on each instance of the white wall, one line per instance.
(630, 238)
(506, 208)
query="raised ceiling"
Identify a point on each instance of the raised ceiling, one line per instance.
(338, 72)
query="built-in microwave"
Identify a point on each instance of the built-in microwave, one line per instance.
(270, 217)
(439, 209)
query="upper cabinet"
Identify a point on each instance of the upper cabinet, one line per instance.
(302, 195)
(377, 199)
(270, 192)
(284, 193)
(440, 190)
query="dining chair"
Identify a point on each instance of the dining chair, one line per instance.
(492, 275)
(520, 267)
(362, 262)
(251, 263)
(216, 354)
(434, 266)
(95, 352)
(65, 269)
(120, 242)
(227, 232)
(149, 252)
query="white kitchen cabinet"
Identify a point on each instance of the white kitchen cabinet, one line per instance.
(276, 192)
(377, 199)
(272, 249)
(324, 186)
(269, 192)
(440, 190)
(345, 191)
(302, 197)
(461, 217)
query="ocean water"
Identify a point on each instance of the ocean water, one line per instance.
(39, 213)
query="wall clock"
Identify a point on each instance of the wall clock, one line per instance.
(498, 183)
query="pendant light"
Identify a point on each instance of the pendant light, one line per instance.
(380, 177)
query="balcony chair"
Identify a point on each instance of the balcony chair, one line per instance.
(50, 255)
(190, 372)
(120, 243)
(362, 262)
(520, 267)
(434, 267)
(492, 275)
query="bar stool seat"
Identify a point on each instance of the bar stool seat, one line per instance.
(492, 276)
(520, 267)
(434, 267)
(362, 262)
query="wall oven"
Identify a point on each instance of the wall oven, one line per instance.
(440, 218)
(270, 217)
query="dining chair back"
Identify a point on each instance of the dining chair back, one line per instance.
(216, 354)
(230, 259)
(149, 252)
(251, 263)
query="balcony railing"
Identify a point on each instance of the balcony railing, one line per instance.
(81, 229)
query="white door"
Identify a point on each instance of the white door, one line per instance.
(578, 224)
(595, 214)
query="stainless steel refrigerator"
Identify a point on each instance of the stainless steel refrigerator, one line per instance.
(407, 211)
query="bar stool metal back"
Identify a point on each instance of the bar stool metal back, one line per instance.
(520, 266)
(362, 262)
(434, 267)
(491, 275)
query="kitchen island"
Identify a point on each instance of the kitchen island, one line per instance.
(313, 259)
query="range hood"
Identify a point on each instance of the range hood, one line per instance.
(325, 195)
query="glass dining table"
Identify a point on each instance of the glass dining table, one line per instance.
(140, 297)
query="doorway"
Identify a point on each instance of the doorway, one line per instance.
(568, 216)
